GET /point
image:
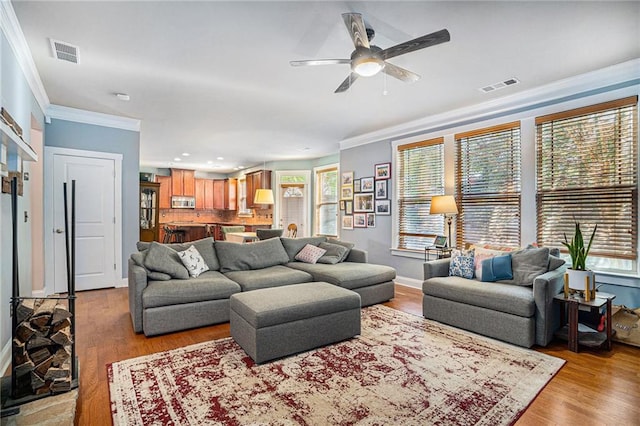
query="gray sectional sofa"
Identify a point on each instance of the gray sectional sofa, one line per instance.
(162, 299)
(519, 311)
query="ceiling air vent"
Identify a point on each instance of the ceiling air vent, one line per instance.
(65, 51)
(500, 85)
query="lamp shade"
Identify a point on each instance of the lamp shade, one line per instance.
(443, 204)
(263, 196)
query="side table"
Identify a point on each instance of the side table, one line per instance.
(571, 306)
(438, 252)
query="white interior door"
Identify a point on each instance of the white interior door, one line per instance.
(293, 201)
(95, 221)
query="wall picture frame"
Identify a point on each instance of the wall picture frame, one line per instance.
(346, 192)
(383, 207)
(382, 171)
(359, 220)
(363, 202)
(342, 204)
(371, 220)
(356, 185)
(347, 222)
(348, 207)
(346, 178)
(381, 189)
(366, 184)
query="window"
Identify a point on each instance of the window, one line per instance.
(327, 201)
(488, 185)
(242, 197)
(420, 176)
(587, 171)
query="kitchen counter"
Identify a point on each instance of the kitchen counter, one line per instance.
(198, 230)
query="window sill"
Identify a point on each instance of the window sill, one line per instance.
(413, 254)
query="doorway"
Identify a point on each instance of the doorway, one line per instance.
(293, 203)
(98, 217)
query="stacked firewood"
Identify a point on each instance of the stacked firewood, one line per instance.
(42, 346)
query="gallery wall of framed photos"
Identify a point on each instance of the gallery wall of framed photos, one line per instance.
(363, 198)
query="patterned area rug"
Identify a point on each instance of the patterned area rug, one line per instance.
(403, 369)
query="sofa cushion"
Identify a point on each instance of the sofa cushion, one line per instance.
(273, 276)
(162, 258)
(193, 261)
(334, 253)
(138, 259)
(293, 245)
(527, 265)
(497, 268)
(516, 300)
(345, 244)
(555, 262)
(349, 275)
(310, 254)
(210, 285)
(245, 257)
(461, 264)
(205, 246)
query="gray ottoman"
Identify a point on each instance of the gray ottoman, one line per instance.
(274, 322)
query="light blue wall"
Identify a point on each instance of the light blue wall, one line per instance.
(88, 137)
(17, 97)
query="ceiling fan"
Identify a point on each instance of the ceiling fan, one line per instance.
(368, 60)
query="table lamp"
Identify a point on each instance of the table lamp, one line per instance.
(446, 205)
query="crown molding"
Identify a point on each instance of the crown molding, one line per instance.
(616, 76)
(12, 30)
(89, 117)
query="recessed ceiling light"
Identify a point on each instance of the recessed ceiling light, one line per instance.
(123, 97)
(185, 154)
(177, 159)
(220, 158)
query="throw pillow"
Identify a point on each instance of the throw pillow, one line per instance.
(293, 245)
(335, 253)
(346, 244)
(461, 264)
(193, 261)
(161, 258)
(479, 255)
(555, 262)
(497, 268)
(138, 259)
(310, 254)
(527, 265)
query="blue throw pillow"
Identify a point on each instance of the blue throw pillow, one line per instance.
(497, 268)
(461, 264)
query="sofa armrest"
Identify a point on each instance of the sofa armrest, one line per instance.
(357, 256)
(545, 287)
(436, 268)
(137, 282)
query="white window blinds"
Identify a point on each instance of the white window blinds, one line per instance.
(488, 185)
(587, 170)
(420, 176)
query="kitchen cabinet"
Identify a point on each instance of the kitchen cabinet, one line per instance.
(165, 191)
(218, 194)
(204, 194)
(149, 211)
(183, 183)
(254, 181)
(230, 194)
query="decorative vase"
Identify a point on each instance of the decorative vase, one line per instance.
(576, 279)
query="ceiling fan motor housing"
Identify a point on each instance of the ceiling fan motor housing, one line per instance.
(367, 62)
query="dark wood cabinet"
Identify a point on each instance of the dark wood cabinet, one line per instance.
(218, 194)
(165, 191)
(149, 211)
(200, 194)
(183, 183)
(205, 194)
(230, 194)
(254, 181)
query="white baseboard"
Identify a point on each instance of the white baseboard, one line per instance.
(5, 358)
(123, 283)
(408, 282)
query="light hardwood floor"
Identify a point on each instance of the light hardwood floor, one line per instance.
(594, 387)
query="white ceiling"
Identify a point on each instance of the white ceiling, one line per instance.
(213, 78)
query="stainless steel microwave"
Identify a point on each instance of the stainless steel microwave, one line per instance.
(183, 202)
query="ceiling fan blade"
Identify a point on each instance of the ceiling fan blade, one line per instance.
(356, 28)
(347, 83)
(319, 62)
(400, 73)
(428, 40)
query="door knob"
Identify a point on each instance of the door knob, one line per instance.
(59, 231)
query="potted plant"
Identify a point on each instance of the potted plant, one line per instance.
(578, 276)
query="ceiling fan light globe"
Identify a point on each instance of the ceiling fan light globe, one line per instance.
(369, 67)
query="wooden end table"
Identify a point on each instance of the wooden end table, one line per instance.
(571, 306)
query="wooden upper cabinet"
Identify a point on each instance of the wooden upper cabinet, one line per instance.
(165, 191)
(183, 183)
(200, 193)
(218, 194)
(230, 194)
(254, 181)
(208, 194)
